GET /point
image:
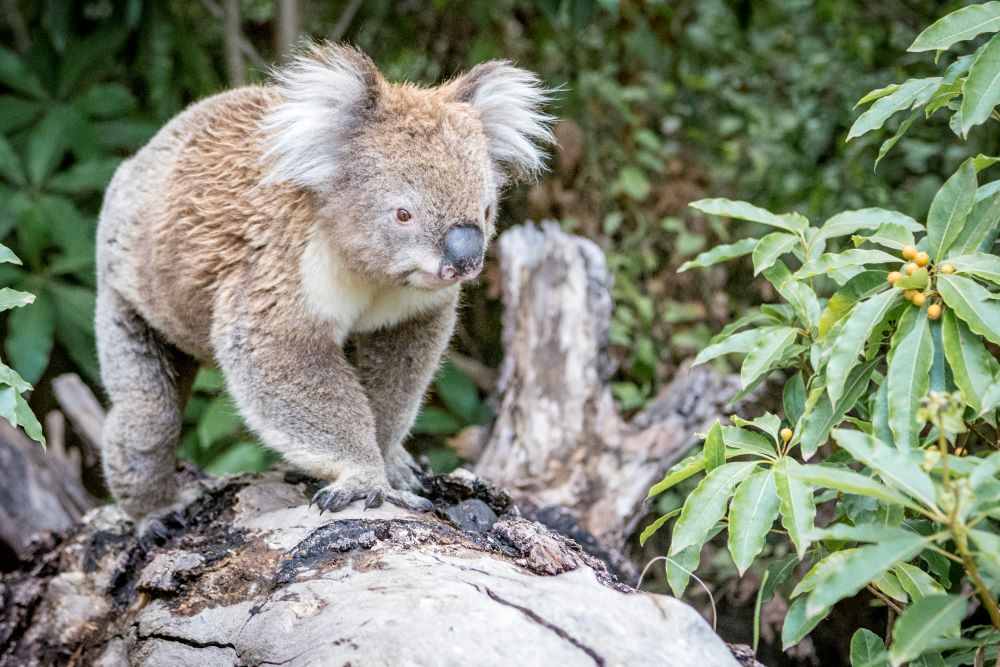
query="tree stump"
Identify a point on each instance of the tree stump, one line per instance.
(559, 444)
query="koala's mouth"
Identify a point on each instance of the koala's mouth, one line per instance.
(434, 280)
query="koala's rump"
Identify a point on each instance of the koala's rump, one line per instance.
(185, 221)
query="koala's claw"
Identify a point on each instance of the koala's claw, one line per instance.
(375, 498)
(334, 498)
(410, 501)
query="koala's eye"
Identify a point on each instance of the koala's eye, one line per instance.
(487, 212)
(403, 215)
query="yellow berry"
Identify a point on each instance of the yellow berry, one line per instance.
(909, 252)
(910, 268)
(922, 258)
(909, 294)
(893, 277)
(919, 298)
(947, 268)
(786, 434)
(934, 311)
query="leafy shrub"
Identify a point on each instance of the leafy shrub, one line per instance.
(13, 407)
(888, 349)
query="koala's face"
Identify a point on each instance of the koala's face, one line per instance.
(420, 192)
(406, 178)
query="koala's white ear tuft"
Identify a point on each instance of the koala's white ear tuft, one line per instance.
(326, 91)
(509, 100)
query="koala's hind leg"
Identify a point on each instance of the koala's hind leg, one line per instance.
(147, 381)
(396, 365)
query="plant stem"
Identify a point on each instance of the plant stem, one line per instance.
(981, 589)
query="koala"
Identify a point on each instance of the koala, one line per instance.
(264, 228)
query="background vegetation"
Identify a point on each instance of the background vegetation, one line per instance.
(663, 103)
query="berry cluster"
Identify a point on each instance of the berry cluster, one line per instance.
(917, 260)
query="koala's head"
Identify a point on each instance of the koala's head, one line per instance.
(406, 178)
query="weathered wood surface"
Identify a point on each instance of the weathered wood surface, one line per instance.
(250, 575)
(559, 445)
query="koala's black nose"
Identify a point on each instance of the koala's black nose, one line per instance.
(463, 252)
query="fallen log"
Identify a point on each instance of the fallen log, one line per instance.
(248, 574)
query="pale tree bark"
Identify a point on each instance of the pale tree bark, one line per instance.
(231, 35)
(559, 444)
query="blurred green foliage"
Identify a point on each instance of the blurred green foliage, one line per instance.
(665, 101)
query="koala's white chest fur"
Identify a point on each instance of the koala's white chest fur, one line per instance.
(352, 305)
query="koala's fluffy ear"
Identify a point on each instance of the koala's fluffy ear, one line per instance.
(509, 100)
(327, 91)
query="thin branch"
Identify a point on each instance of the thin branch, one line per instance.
(286, 27)
(231, 41)
(344, 22)
(245, 46)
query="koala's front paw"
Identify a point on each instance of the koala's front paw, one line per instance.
(338, 495)
(402, 471)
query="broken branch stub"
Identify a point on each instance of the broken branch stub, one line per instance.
(559, 444)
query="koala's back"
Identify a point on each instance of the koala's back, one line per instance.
(186, 217)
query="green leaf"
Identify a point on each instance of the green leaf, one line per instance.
(896, 468)
(793, 398)
(7, 256)
(17, 113)
(715, 448)
(858, 288)
(678, 473)
(798, 509)
(656, 525)
(922, 622)
(798, 624)
(822, 414)
(982, 265)
(958, 26)
(219, 421)
(107, 100)
(850, 343)
(798, 294)
(973, 303)
(889, 143)
(707, 504)
(737, 343)
(859, 568)
(968, 358)
(848, 481)
(833, 261)
(49, 142)
(11, 377)
(917, 583)
(889, 235)
(633, 183)
(876, 94)
(765, 353)
(30, 335)
(949, 209)
(84, 177)
(981, 226)
(744, 441)
(11, 298)
(14, 72)
(458, 392)
(851, 222)
(10, 164)
(910, 93)
(910, 358)
(867, 650)
(742, 210)
(920, 279)
(751, 515)
(435, 421)
(720, 253)
(770, 248)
